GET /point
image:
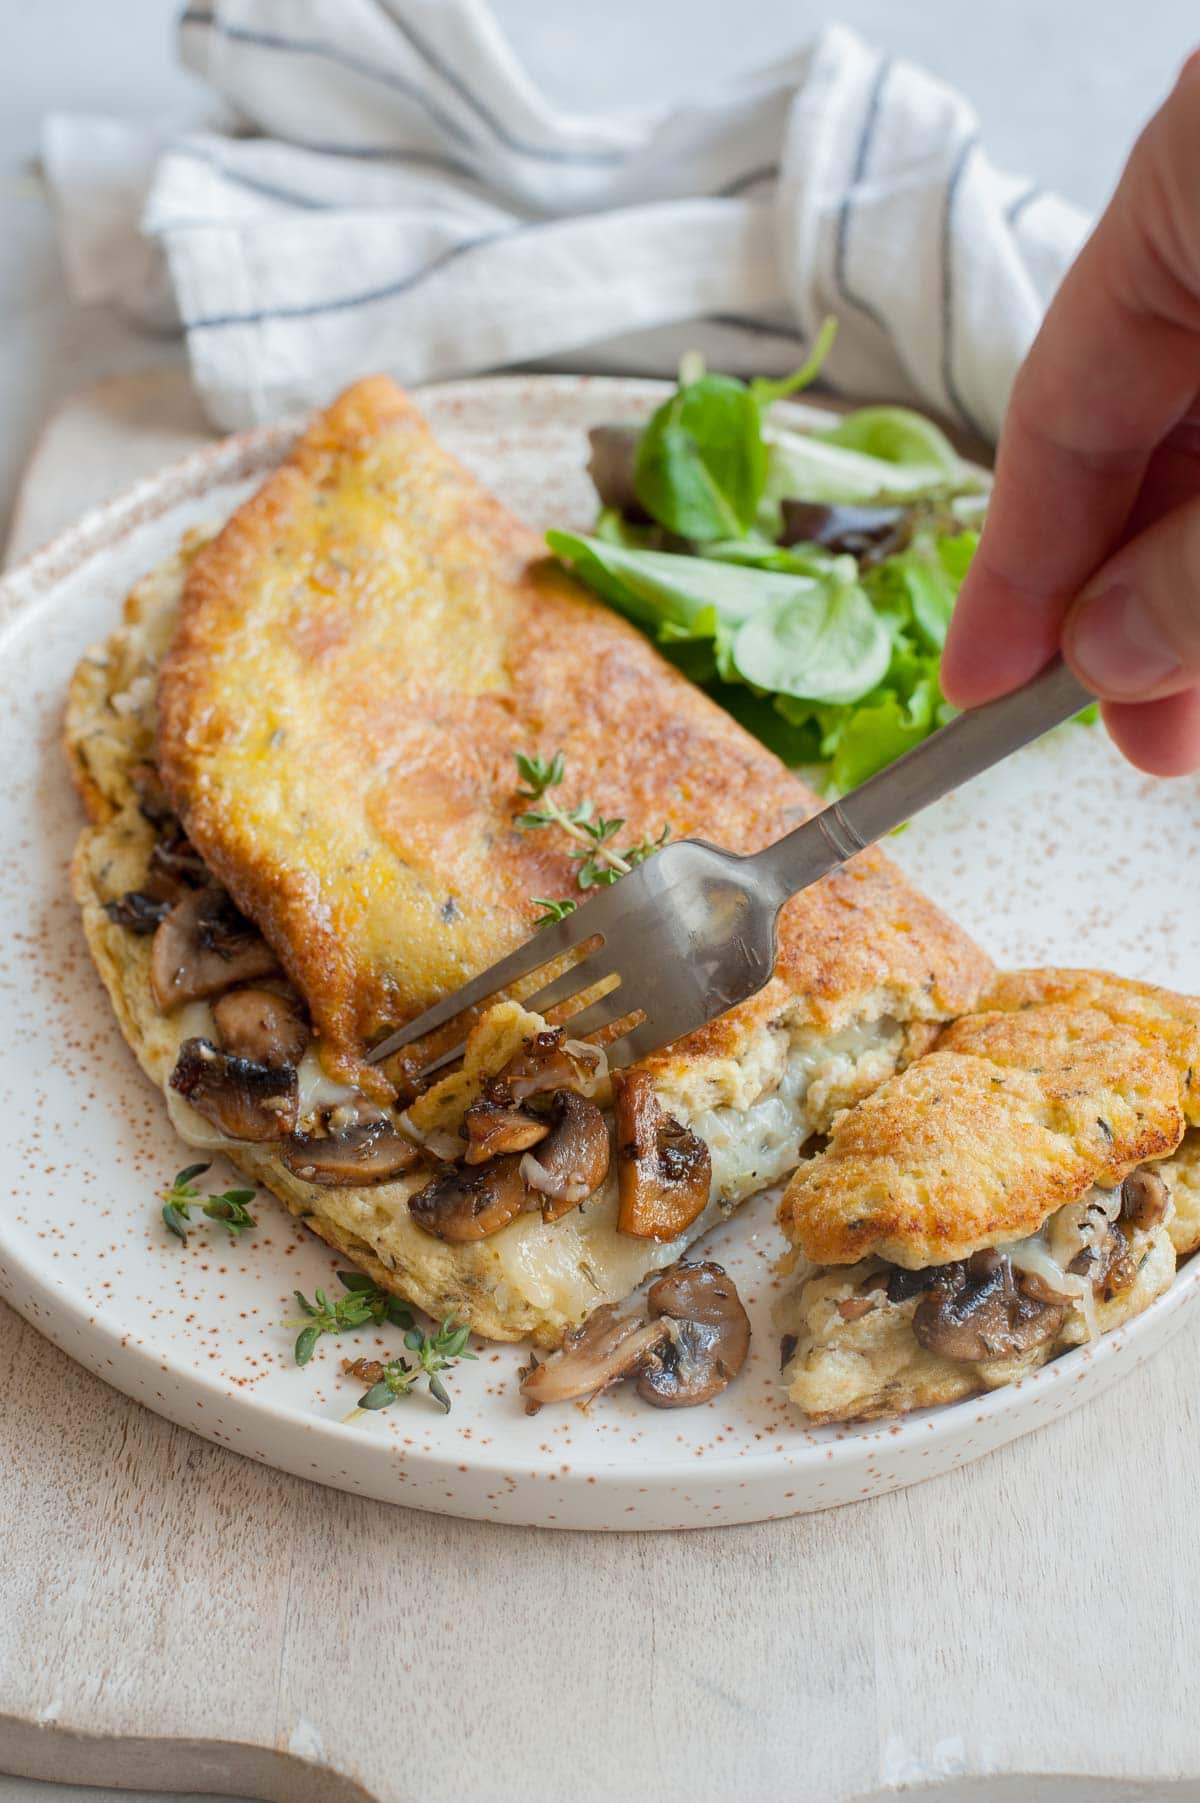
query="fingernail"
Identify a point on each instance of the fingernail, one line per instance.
(1117, 648)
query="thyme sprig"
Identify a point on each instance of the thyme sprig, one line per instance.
(364, 1304)
(600, 863)
(229, 1208)
(432, 1354)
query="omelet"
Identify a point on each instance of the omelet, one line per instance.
(1029, 1183)
(298, 755)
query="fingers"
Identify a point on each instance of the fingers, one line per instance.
(1134, 633)
(1114, 369)
(1160, 737)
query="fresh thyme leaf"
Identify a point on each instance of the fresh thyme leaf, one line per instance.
(229, 1208)
(599, 862)
(433, 1354)
(540, 773)
(552, 910)
(378, 1397)
(364, 1304)
(174, 1221)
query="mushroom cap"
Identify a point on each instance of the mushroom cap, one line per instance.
(366, 1151)
(610, 1345)
(245, 1100)
(258, 1024)
(1145, 1198)
(469, 1203)
(688, 1341)
(548, 1062)
(708, 1341)
(974, 1310)
(664, 1171)
(174, 857)
(152, 800)
(572, 1163)
(496, 1125)
(138, 911)
(203, 947)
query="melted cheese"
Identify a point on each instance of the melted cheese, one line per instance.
(568, 1267)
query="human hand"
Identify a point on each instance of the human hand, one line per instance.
(1092, 540)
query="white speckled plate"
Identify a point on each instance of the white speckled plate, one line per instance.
(1065, 856)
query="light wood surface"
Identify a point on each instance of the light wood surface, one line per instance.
(173, 1616)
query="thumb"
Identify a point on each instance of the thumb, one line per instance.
(1134, 632)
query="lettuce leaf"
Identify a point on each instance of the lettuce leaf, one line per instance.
(809, 632)
(824, 664)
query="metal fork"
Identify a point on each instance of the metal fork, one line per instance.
(694, 930)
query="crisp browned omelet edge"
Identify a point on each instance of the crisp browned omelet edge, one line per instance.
(1063, 1079)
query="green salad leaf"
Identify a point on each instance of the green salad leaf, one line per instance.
(923, 581)
(827, 657)
(877, 734)
(701, 464)
(826, 643)
(809, 632)
(897, 435)
(824, 663)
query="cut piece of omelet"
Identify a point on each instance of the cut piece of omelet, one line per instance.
(1028, 1184)
(298, 755)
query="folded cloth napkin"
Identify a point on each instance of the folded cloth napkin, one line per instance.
(393, 193)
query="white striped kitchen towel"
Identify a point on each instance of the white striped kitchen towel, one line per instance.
(391, 192)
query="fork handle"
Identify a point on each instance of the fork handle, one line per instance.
(970, 744)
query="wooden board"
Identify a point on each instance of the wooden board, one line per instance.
(176, 1617)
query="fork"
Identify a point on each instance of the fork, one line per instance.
(693, 931)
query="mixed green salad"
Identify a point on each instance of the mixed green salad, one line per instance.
(805, 578)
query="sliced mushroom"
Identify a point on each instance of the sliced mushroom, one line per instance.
(138, 912)
(151, 796)
(245, 1100)
(495, 1124)
(469, 1204)
(610, 1345)
(358, 1152)
(974, 1310)
(548, 1062)
(258, 1024)
(203, 946)
(572, 1163)
(708, 1341)
(1079, 1233)
(175, 857)
(664, 1171)
(901, 1283)
(687, 1341)
(1145, 1198)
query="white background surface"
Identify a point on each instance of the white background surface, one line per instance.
(1061, 90)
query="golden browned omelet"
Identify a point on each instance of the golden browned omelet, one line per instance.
(333, 689)
(360, 654)
(1025, 1185)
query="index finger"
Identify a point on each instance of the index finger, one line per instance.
(1114, 368)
